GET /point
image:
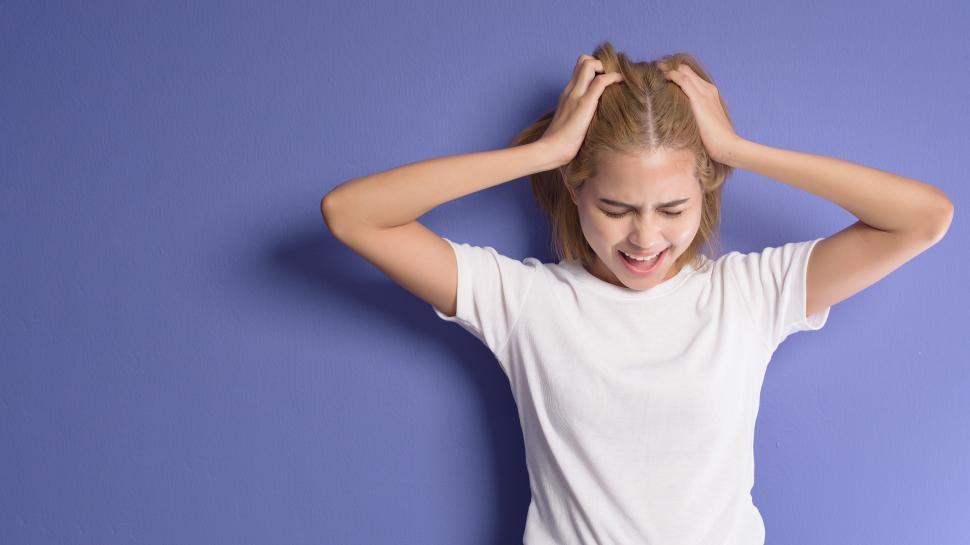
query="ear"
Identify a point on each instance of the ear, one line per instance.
(573, 194)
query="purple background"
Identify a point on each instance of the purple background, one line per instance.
(188, 356)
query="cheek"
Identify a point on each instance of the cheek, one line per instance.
(684, 237)
(685, 233)
(609, 230)
(596, 226)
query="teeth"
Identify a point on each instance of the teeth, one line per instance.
(643, 259)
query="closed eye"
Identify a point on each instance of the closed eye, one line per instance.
(612, 215)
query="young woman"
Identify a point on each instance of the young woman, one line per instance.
(636, 361)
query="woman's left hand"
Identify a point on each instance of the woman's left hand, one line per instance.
(716, 132)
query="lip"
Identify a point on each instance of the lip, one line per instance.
(629, 267)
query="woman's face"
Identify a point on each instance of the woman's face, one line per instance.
(644, 226)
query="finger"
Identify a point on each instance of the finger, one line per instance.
(577, 70)
(698, 83)
(600, 84)
(701, 83)
(587, 72)
(686, 83)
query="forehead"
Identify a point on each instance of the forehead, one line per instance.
(646, 172)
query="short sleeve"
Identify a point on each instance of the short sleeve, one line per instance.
(492, 289)
(773, 284)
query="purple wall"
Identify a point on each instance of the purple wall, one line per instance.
(188, 356)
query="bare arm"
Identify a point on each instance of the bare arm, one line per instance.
(880, 199)
(376, 215)
(401, 195)
(899, 217)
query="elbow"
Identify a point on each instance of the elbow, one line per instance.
(328, 209)
(947, 218)
(943, 219)
(326, 205)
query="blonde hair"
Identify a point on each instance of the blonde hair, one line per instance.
(645, 112)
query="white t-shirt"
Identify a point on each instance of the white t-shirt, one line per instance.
(637, 409)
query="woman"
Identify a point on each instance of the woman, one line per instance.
(636, 361)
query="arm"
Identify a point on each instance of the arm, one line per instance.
(899, 218)
(376, 216)
(401, 195)
(879, 199)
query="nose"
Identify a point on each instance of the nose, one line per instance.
(646, 234)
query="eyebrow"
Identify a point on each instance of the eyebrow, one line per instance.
(661, 205)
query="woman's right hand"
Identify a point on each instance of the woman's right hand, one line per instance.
(577, 103)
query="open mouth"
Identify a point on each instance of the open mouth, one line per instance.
(643, 267)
